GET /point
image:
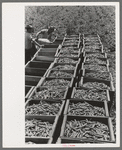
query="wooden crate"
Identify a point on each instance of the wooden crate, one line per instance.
(60, 50)
(49, 79)
(85, 71)
(41, 88)
(33, 101)
(73, 72)
(72, 36)
(78, 60)
(93, 103)
(104, 120)
(103, 55)
(85, 80)
(63, 64)
(88, 49)
(101, 65)
(87, 89)
(72, 55)
(102, 59)
(42, 140)
(67, 44)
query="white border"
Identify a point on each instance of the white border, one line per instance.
(13, 73)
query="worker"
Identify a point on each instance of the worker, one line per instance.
(46, 35)
(30, 42)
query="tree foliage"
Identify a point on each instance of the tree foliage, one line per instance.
(83, 19)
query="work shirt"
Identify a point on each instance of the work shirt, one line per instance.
(28, 43)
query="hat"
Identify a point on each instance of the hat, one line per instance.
(29, 27)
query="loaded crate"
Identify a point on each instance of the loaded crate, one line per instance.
(67, 60)
(40, 129)
(68, 40)
(84, 49)
(89, 44)
(44, 107)
(65, 66)
(57, 93)
(96, 84)
(92, 49)
(69, 49)
(90, 94)
(71, 42)
(72, 36)
(61, 73)
(68, 54)
(86, 108)
(96, 60)
(57, 82)
(95, 67)
(70, 61)
(87, 129)
(98, 44)
(74, 46)
(91, 38)
(91, 41)
(97, 75)
(95, 54)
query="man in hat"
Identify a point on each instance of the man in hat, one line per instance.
(44, 36)
(29, 43)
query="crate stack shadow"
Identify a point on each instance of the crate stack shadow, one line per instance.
(69, 93)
